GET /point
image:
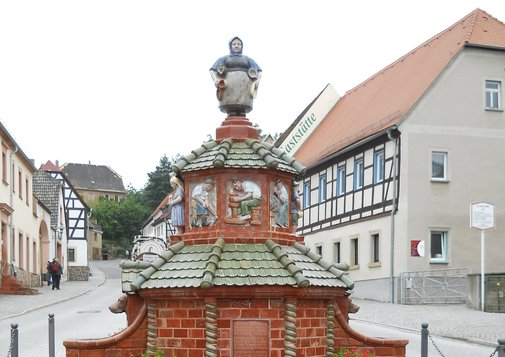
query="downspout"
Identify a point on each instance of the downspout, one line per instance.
(393, 134)
(11, 202)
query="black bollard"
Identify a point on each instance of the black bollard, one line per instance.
(14, 340)
(424, 339)
(501, 347)
(51, 335)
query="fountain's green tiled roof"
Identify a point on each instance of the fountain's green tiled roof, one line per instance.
(225, 264)
(228, 153)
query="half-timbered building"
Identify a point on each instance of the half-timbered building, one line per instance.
(395, 166)
(77, 225)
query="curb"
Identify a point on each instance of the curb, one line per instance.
(408, 329)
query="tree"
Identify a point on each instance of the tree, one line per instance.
(158, 185)
(120, 221)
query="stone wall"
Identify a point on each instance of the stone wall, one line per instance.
(78, 273)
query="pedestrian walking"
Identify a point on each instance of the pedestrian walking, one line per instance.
(56, 272)
(49, 273)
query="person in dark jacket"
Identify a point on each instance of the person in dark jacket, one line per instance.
(56, 272)
(49, 273)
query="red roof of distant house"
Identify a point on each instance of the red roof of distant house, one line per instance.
(386, 97)
(49, 166)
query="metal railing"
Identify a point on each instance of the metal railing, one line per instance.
(446, 286)
(425, 336)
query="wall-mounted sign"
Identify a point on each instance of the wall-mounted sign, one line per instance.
(482, 215)
(313, 117)
(417, 248)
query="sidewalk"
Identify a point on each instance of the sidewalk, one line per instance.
(455, 321)
(14, 305)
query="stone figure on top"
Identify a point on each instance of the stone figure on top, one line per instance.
(236, 78)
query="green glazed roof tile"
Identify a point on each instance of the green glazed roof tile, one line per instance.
(233, 265)
(250, 153)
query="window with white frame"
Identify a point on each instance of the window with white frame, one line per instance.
(340, 180)
(354, 251)
(358, 173)
(336, 252)
(378, 166)
(493, 95)
(439, 165)
(322, 188)
(306, 194)
(438, 246)
(375, 247)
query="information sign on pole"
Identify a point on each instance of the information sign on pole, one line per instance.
(482, 217)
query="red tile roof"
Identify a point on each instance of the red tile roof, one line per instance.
(386, 97)
(49, 166)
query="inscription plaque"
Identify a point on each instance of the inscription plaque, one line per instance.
(250, 338)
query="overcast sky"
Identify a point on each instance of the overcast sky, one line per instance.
(122, 83)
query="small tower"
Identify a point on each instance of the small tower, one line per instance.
(238, 282)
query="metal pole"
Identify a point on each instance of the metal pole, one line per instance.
(501, 347)
(51, 335)
(424, 339)
(14, 340)
(482, 275)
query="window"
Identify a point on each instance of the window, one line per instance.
(319, 250)
(354, 251)
(439, 165)
(340, 180)
(375, 247)
(358, 173)
(306, 194)
(20, 247)
(71, 255)
(27, 189)
(438, 246)
(322, 188)
(336, 252)
(20, 184)
(493, 96)
(378, 166)
(4, 164)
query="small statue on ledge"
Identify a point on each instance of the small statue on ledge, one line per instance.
(236, 78)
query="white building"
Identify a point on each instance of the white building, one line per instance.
(395, 166)
(22, 218)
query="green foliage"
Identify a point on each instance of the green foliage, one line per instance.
(352, 352)
(157, 353)
(120, 221)
(158, 185)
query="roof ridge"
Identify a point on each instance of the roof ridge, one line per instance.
(155, 265)
(473, 15)
(185, 160)
(212, 264)
(473, 20)
(287, 263)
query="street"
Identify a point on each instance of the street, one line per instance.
(86, 316)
